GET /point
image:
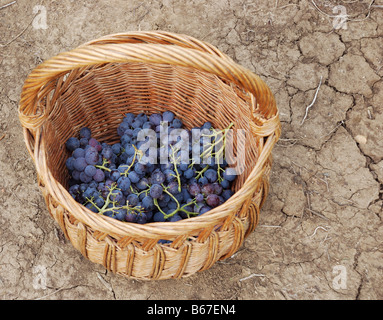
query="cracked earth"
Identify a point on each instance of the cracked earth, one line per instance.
(320, 233)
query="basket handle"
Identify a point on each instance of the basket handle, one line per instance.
(159, 37)
(203, 57)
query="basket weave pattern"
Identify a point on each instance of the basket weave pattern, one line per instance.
(94, 85)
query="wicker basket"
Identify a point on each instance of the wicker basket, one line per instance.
(93, 85)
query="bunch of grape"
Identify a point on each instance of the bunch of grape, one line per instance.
(154, 174)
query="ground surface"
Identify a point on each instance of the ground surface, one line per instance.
(320, 233)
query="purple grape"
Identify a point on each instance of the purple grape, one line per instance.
(217, 188)
(157, 177)
(158, 217)
(169, 175)
(147, 125)
(149, 215)
(129, 149)
(72, 144)
(85, 178)
(172, 205)
(90, 170)
(107, 152)
(80, 164)
(123, 168)
(225, 184)
(123, 183)
(199, 197)
(83, 142)
(155, 119)
(129, 117)
(88, 193)
(85, 133)
(204, 209)
(70, 163)
(202, 181)
(108, 183)
(108, 213)
(74, 189)
(142, 117)
(189, 173)
(141, 218)
(175, 218)
(93, 142)
(140, 168)
(99, 175)
(125, 139)
(91, 207)
(91, 156)
(76, 175)
(177, 123)
(78, 153)
(120, 214)
(115, 175)
(134, 177)
(226, 194)
(116, 195)
(212, 200)
(148, 203)
(99, 202)
(211, 175)
(207, 189)
(163, 200)
(206, 125)
(168, 116)
(130, 217)
(137, 124)
(184, 166)
(125, 125)
(173, 187)
(132, 200)
(229, 174)
(156, 191)
(142, 184)
(116, 148)
(194, 189)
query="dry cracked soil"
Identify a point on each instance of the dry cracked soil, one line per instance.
(320, 232)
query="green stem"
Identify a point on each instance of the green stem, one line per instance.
(215, 134)
(158, 206)
(201, 172)
(175, 162)
(188, 212)
(136, 151)
(104, 162)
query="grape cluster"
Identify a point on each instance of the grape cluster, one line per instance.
(155, 172)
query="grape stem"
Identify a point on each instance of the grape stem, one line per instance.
(217, 153)
(179, 208)
(135, 210)
(126, 172)
(102, 167)
(215, 135)
(201, 172)
(175, 162)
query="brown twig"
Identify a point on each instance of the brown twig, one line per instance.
(312, 103)
(347, 17)
(10, 41)
(7, 5)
